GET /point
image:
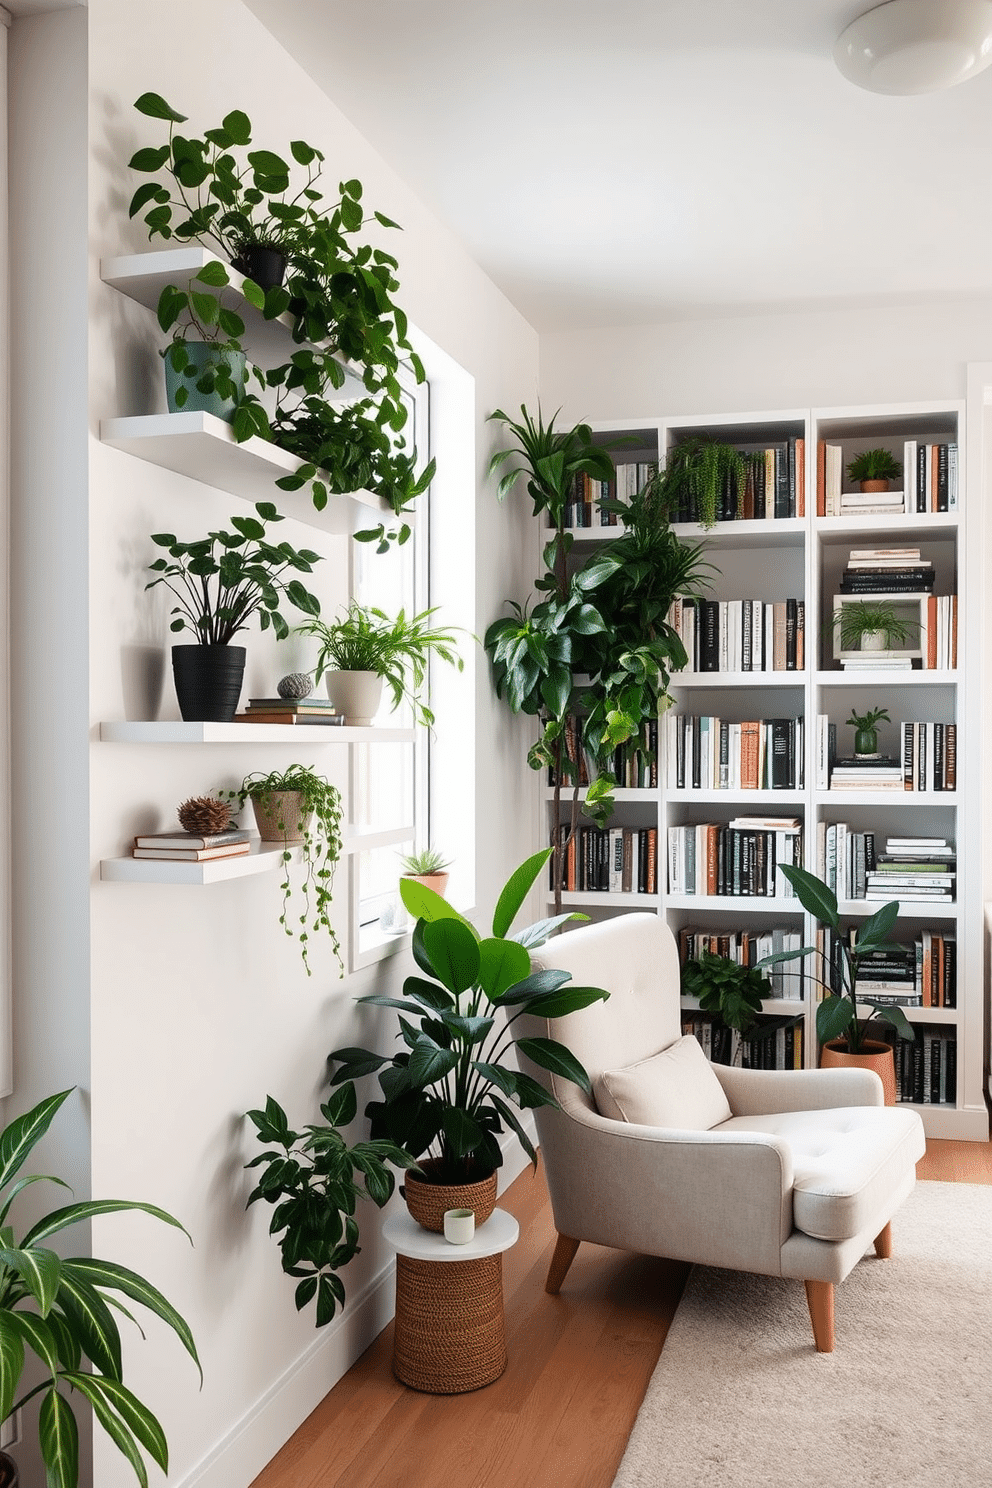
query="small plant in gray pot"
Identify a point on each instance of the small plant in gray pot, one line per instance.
(221, 582)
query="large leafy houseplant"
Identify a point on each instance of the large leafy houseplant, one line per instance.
(317, 840)
(62, 1310)
(596, 646)
(450, 1091)
(314, 1180)
(396, 648)
(837, 1013)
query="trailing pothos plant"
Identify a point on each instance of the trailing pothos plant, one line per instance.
(315, 1179)
(62, 1310)
(596, 647)
(452, 1088)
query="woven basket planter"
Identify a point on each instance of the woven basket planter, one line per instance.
(449, 1334)
(427, 1201)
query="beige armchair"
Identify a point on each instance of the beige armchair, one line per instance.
(786, 1173)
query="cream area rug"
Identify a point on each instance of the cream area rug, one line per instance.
(740, 1398)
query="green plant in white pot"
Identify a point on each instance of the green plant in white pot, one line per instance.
(364, 650)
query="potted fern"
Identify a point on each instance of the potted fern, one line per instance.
(873, 469)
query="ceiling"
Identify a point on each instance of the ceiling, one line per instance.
(646, 160)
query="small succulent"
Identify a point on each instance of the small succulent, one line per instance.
(296, 685)
(423, 864)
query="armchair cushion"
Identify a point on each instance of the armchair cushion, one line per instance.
(674, 1088)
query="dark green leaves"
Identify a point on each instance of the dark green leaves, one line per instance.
(517, 887)
(154, 106)
(814, 895)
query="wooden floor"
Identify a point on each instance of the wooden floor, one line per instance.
(579, 1365)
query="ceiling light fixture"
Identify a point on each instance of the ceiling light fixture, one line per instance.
(916, 46)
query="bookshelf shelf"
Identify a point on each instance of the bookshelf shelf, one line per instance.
(803, 558)
(592, 897)
(176, 732)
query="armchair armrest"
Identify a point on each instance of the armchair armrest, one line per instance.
(766, 1092)
(717, 1198)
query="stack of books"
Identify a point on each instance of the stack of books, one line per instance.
(887, 571)
(867, 772)
(192, 847)
(289, 710)
(914, 868)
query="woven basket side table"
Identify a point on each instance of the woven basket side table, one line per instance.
(449, 1335)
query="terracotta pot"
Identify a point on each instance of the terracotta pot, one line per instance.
(875, 1056)
(428, 1201)
(436, 881)
(874, 485)
(280, 816)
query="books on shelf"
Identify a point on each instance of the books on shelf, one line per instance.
(191, 841)
(609, 860)
(583, 508)
(773, 485)
(634, 764)
(930, 482)
(926, 1069)
(746, 947)
(723, 860)
(931, 476)
(929, 756)
(921, 973)
(774, 1041)
(741, 635)
(708, 753)
(194, 854)
(867, 772)
(289, 711)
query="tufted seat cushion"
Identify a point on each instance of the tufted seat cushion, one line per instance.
(847, 1162)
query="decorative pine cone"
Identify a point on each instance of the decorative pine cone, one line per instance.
(205, 814)
(296, 685)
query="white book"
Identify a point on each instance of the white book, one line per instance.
(909, 475)
(616, 860)
(834, 465)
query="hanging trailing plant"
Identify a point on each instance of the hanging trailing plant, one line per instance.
(696, 475)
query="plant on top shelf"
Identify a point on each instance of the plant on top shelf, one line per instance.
(453, 1085)
(865, 727)
(314, 1180)
(396, 650)
(874, 465)
(596, 646)
(206, 366)
(871, 618)
(221, 582)
(62, 1309)
(837, 1013)
(302, 810)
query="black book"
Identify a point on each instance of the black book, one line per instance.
(896, 581)
(709, 648)
(921, 478)
(781, 482)
(942, 463)
(779, 773)
(791, 612)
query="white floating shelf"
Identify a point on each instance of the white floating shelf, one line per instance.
(143, 276)
(203, 448)
(176, 732)
(909, 909)
(264, 857)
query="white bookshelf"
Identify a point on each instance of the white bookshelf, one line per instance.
(802, 557)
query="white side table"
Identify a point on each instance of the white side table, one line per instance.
(449, 1335)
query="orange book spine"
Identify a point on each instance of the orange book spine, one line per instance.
(821, 477)
(800, 477)
(712, 834)
(931, 661)
(749, 755)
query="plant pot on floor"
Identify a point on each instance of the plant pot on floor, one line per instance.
(281, 816)
(355, 695)
(428, 1201)
(190, 371)
(874, 1055)
(208, 681)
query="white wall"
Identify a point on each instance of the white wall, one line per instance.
(177, 1009)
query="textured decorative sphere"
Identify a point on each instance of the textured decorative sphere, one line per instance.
(296, 685)
(204, 814)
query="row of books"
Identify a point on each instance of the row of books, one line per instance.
(887, 571)
(634, 765)
(191, 847)
(583, 508)
(911, 868)
(746, 948)
(918, 974)
(609, 860)
(741, 635)
(774, 1042)
(736, 858)
(926, 1069)
(773, 486)
(927, 760)
(289, 711)
(930, 482)
(707, 753)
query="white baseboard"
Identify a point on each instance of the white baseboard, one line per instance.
(242, 1452)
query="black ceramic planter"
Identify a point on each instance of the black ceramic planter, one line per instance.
(8, 1471)
(266, 266)
(208, 681)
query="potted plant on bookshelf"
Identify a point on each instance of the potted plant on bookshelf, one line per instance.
(873, 469)
(596, 647)
(364, 650)
(315, 1179)
(733, 993)
(302, 810)
(427, 867)
(873, 625)
(696, 474)
(60, 1310)
(452, 1089)
(843, 1035)
(865, 727)
(221, 581)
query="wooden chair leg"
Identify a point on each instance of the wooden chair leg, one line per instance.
(883, 1243)
(820, 1297)
(561, 1260)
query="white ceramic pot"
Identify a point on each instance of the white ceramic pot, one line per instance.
(355, 695)
(873, 640)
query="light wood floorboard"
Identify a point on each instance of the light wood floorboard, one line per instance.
(578, 1367)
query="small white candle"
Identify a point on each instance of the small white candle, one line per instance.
(459, 1226)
